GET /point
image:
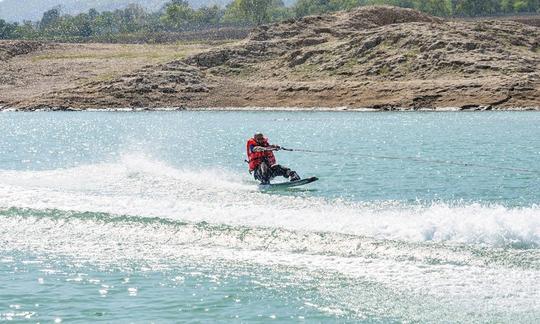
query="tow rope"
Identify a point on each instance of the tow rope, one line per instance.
(417, 159)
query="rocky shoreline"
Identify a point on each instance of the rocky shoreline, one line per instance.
(267, 109)
(368, 59)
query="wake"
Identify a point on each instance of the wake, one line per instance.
(139, 186)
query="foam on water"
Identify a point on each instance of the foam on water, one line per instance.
(454, 277)
(142, 215)
(140, 186)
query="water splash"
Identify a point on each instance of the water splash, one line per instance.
(136, 185)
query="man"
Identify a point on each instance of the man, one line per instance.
(262, 161)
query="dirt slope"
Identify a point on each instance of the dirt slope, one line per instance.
(371, 57)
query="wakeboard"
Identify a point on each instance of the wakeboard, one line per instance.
(289, 184)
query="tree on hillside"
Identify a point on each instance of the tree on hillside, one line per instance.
(27, 30)
(233, 14)
(50, 18)
(82, 25)
(7, 30)
(105, 24)
(476, 7)
(441, 8)
(208, 16)
(131, 18)
(311, 7)
(526, 5)
(93, 14)
(279, 12)
(255, 10)
(177, 14)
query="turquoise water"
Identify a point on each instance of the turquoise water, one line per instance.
(140, 217)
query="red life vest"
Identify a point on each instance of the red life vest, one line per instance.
(256, 158)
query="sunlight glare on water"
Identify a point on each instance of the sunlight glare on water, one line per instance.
(144, 216)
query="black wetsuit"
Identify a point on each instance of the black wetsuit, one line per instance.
(271, 172)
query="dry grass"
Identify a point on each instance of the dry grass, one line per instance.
(150, 53)
(63, 66)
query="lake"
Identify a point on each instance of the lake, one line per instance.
(134, 217)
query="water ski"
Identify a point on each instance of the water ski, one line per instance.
(289, 184)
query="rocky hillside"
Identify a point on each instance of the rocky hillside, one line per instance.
(371, 57)
(10, 49)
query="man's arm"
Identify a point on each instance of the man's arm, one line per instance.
(264, 149)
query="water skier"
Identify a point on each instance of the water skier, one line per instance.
(262, 162)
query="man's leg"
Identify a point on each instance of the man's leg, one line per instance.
(263, 173)
(281, 171)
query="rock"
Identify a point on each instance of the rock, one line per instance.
(10, 49)
(299, 57)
